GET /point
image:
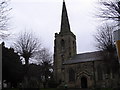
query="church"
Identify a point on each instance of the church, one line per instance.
(84, 70)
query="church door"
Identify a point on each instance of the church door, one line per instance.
(84, 82)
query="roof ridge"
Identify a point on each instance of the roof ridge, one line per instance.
(88, 52)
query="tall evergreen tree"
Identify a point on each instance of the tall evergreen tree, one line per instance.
(12, 69)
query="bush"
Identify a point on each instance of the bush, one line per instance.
(52, 84)
(30, 83)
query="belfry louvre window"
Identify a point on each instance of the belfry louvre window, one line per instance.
(62, 44)
(71, 75)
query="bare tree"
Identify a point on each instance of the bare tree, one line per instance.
(4, 17)
(105, 43)
(45, 59)
(43, 56)
(104, 38)
(110, 10)
(27, 45)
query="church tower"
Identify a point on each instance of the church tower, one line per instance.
(64, 45)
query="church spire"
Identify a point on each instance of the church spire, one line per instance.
(65, 26)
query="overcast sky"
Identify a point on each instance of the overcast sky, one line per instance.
(44, 18)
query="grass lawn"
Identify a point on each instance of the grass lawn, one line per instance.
(39, 89)
(59, 89)
(49, 89)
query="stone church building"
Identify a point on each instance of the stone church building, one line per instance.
(85, 70)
